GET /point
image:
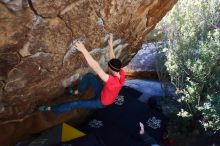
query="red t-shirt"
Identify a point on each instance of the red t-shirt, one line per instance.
(112, 87)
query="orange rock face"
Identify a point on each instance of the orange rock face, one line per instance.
(35, 61)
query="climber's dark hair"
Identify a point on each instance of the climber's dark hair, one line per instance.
(115, 64)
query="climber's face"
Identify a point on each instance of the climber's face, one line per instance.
(110, 71)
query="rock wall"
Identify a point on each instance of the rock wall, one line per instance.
(35, 61)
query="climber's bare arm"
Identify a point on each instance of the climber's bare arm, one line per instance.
(111, 50)
(92, 63)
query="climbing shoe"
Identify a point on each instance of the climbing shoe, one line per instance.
(42, 108)
(70, 90)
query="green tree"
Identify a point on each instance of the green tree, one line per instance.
(192, 57)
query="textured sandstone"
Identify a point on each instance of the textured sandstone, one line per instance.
(35, 63)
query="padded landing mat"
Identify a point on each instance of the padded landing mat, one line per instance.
(118, 124)
(55, 135)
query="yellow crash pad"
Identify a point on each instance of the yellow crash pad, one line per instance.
(70, 133)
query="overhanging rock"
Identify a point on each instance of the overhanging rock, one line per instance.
(35, 35)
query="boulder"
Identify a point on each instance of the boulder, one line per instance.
(35, 61)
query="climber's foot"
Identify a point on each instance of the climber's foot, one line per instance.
(71, 91)
(43, 108)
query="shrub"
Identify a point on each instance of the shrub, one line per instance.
(192, 56)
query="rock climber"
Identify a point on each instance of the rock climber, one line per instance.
(106, 86)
